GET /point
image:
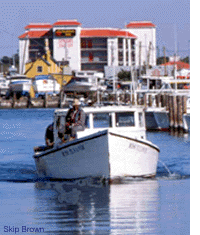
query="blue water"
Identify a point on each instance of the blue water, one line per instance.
(151, 206)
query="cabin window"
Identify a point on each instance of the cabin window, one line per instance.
(141, 120)
(102, 120)
(125, 119)
(87, 122)
(39, 69)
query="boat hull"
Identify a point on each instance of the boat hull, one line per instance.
(132, 157)
(157, 120)
(46, 86)
(85, 157)
(186, 122)
(79, 87)
(103, 154)
(20, 87)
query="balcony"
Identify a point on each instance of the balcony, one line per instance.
(85, 60)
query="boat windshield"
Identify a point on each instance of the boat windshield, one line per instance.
(80, 79)
(141, 120)
(87, 123)
(18, 82)
(125, 119)
(19, 78)
(102, 120)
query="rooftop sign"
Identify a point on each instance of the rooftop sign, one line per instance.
(65, 33)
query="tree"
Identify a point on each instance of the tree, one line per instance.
(124, 75)
(161, 60)
(5, 60)
(186, 59)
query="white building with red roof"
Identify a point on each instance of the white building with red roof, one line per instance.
(146, 42)
(88, 49)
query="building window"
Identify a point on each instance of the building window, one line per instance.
(96, 56)
(94, 43)
(93, 66)
(39, 69)
(132, 44)
(120, 58)
(127, 57)
(120, 43)
(126, 43)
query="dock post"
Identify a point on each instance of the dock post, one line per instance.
(157, 100)
(29, 101)
(180, 113)
(175, 113)
(163, 100)
(171, 120)
(184, 104)
(14, 99)
(138, 99)
(167, 102)
(45, 100)
(61, 99)
(150, 100)
(145, 100)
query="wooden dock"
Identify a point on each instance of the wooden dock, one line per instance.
(27, 102)
(174, 104)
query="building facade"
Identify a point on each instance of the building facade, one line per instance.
(145, 45)
(83, 49)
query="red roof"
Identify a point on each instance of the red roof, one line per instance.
(34, 34)
(179, 65)
(66, 22)
(105, 33)
(39, 26)
(142, 24)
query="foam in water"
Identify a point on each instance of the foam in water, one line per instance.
(165, 166)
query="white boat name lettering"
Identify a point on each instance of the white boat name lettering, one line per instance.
(73, 150)
(137, 147)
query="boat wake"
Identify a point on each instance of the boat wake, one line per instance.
(17, 172)
(23, 172)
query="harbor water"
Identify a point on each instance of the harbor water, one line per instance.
(133, 206)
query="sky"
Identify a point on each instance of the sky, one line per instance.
(171, 17)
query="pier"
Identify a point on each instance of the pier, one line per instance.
(28, 102)
(172, 105)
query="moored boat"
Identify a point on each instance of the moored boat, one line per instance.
(157, 119)
(45, 84)
(112, 145)
(20, 84)
(4, 85)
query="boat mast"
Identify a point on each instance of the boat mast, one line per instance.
(175, 54)
(113, 66)
(133, 90)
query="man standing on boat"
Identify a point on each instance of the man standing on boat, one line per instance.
(75, 120)
(49, 136)
(49, 139)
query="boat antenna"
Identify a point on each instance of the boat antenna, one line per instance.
(133, 89)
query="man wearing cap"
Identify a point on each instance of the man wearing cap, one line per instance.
(75, 120)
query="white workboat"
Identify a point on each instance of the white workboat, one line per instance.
(186, 116)
(157, 119)
(4, 85)
(45, 84)
(20, 83)
(112, 145)
(83, 84)
(79, 84)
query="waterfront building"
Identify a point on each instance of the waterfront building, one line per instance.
(83, 48)
(145, 45)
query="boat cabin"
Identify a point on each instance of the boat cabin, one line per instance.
(118, 119)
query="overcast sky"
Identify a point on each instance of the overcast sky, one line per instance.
(171, 17)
